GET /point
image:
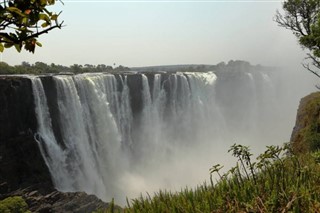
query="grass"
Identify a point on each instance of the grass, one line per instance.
(278, 181)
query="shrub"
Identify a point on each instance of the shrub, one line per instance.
(14, 204)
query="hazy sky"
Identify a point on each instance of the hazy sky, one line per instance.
(154, 32)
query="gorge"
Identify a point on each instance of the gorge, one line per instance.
(121, 134)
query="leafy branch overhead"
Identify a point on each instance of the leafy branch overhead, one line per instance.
(23, 21)
(302, 17)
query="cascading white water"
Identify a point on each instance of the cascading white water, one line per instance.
(109, 149)
(53, 154)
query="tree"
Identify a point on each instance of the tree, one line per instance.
(23, 21)
(302, 17)
(76, 68)
(6, 68)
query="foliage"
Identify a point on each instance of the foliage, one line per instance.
(278, 181)
(43, 68)
(23, 21)
(13, 205)
(302, 18)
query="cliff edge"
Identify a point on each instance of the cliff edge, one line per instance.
(306, 132)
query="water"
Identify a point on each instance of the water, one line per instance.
(122, 135)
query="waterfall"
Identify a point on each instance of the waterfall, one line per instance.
(53, 153)
(111, 147)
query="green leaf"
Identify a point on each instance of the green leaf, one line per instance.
(54, 17)
(9, 16)
(44, 17)
(8, 45)
(45, 24)
(25, 20)
(15, 10)
(43, 2)
(51, 2)
(18, 47)
(1, 47)
(38, 44)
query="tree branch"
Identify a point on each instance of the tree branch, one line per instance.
(7, 36)
(44, 31)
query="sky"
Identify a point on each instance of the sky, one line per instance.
(159, 32)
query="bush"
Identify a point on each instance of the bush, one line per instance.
(14, 204)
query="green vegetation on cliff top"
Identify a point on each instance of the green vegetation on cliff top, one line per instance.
(43, 68)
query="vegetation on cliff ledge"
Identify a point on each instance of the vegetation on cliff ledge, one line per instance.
(13, 205)
(306, 133)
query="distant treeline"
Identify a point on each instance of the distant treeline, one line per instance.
(231, 66)
(42, 68)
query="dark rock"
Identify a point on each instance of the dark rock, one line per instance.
(51, 200)
(17, 115)
(135, 85)
(21, 163)
(51, 94)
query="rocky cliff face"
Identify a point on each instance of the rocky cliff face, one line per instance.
(306, 133)
(16, 107)
(21, 163)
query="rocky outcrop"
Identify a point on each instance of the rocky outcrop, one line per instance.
(306, 132)
(43, 198)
